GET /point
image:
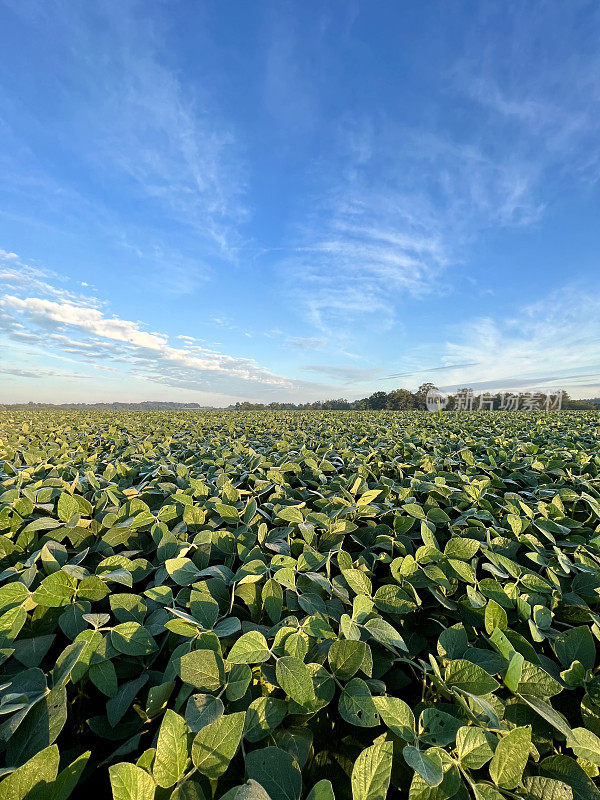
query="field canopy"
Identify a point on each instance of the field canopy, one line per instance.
(300, 605)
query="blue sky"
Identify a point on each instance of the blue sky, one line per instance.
(219, 201)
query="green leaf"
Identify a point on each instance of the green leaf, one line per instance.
(469, 677)
(358, 581)
(128, 607)
(189, 790)
(12, 594)
(540, 788)
(67, 507)
(546, 711)
(427, 765)
(129, 782)
(512, 678)
(264, 714)
(438, 727)
(483, 791)
(536, 681)
(592, 502)
(437, 515)
(238, 681)
(229, 513)
(345, 657)
(204, 608)
(216, 744)
(201, 710)
(203, 669)
(385, 633)
(171, 750)
(295, 680)
(117, 706)
(510, 758)
(574, 675)
(40, 728)
(322, 790)
(227, 627)
(460, 547)
(451, 783)
(368, 497)
(372, 772)
(576, 644)
(393, 600)
(251, 790)
(396, 715)
(502, 644)
(250, 648)
(568, 771)
(290, 514)
(65, 663)
(11, 624)
(272, 600)
(183, 570)
(474, 746)
(132, 639)
(33, 779)
(276, 771)
(55, 590)
(586, 745)
(194, 517)
(104, 677)
(356, 704)
(414, 510)
(495, 617)
(68, 778)
(158, 697)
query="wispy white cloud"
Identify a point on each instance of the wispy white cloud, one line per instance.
(143, 138)
(53, 374)
(541, 93)
(150, 351)
(16, 274)
(169, 139)
(347, 375)
(305, 342)
(402, 206)
(61, 324)
(429, 370)
(398, 212)
(555, 340)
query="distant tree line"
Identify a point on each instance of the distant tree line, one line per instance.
(396, 400)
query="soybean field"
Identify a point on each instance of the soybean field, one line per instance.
(299, 605)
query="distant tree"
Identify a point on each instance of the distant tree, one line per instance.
(400, 400)
(336, 405)
(377, 400)
(576, 405)
(421, 394)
